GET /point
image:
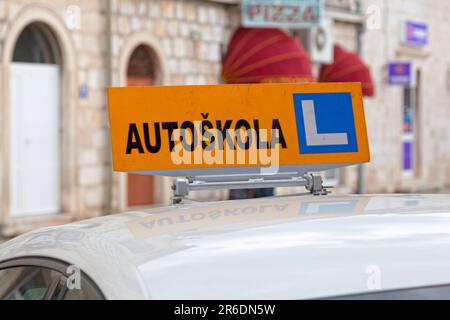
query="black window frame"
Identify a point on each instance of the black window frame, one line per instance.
(59, 266)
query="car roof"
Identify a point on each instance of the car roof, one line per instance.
(288, 247)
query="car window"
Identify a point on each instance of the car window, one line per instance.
(38, 278)
(86, 291)
(27, 283)
(79, 295)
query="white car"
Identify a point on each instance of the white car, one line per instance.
(291, 247)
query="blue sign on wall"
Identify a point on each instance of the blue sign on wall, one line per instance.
(325, 123)
(401, 73)
(84, 91)
(415, 33)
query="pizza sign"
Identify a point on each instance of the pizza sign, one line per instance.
(298, 14)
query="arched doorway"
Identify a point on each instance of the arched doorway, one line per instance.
(141, 71)
(35, 124)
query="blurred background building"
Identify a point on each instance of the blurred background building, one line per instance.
(59, 56)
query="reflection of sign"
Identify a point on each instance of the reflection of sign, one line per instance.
(331, 207)
(143, 122)
(401, 73)
(192, 219)
(281, 13)
(415, 33)
(266, 212)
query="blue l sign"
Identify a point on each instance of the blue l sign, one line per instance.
(325, 123)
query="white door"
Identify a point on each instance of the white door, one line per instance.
(34, 139)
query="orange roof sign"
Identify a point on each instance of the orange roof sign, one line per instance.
(186, 130)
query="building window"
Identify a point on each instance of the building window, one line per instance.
(37, 44)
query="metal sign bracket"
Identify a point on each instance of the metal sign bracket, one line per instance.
(182, 186)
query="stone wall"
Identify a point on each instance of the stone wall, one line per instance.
(190, 34)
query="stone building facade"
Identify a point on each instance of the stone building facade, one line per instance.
(95, 44)
(377, 34)
(382, 44)
(95, 40)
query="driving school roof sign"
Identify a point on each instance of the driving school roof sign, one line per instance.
(191, 130)
(281, 13)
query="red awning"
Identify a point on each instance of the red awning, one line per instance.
(348, 67)
(265, 55)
